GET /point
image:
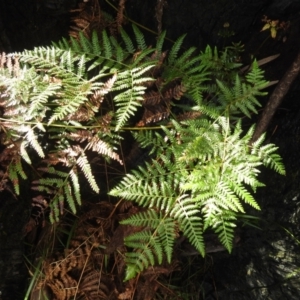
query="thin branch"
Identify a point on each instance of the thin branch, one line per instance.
(276, 98)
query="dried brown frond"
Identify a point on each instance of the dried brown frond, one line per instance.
(175, 92)
(159, 9)
(153, 117)
(120, 14)
(151, 98)
(15, 110)
(124, 206)
(189, 115)
(102, 214)
(2, 60)
(159, 59)
(95, 285)
(81, 136)
(96, 99)
(65, 157)
(87, 17)
(11, 63)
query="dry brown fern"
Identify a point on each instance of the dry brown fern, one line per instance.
(78, 271)
(159, 9)
(92, 265)
(120, 14)
(87, 17)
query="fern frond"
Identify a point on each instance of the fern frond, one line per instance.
(175, 49)
(159, 192)
(84, 165)
(127, 40)
(271, 159)
(85, 43)
(150, 246)
(138, 261)
(149, 218)
(106, 45)
(139, 38)
(31, 137)
(223, 225)
(24, 154)
(187, 213)
(76, 185)
(131, 97)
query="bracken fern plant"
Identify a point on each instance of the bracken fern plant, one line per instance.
(63, 102)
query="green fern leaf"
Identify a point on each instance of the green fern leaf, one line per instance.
(223, 225)
(139, 38)
(128, 42)
(76, 186)
(69, 197)
(84, 165)
(33, 141)
(187, 213)
(106, 45)
(175, 49)
(131, 97)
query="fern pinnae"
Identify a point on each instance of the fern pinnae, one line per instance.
(143, 55)
(226, 197)
(23, 152)
(139, 38)
(270, 158)
(160, 43)
(149, 218)
(75, 45)
(32, 140)
(81, 66)
(84, 165)
(96, 43)
(186, 212)
(131, 98)
(224, 224)
(127, 40)
(54, 210)
(19, 168)
(118, 50)
(38, 101)
(107, 47)
(69, 197)
(13, 176)
(76, 185)
(85, 43)
(180, 61)
(175, 49)
(167, 236)
(243, 194)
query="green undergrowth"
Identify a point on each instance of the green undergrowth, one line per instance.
(77, 99)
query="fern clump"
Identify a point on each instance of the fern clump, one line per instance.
(77, 97)
(205, 170)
